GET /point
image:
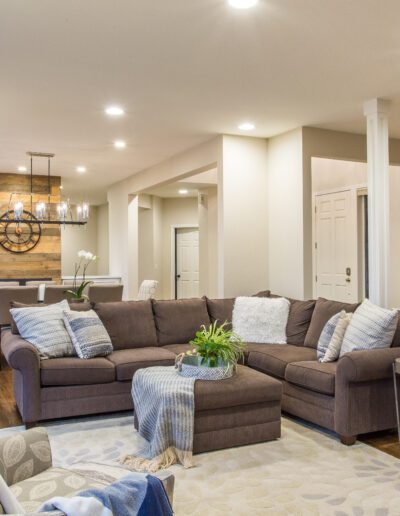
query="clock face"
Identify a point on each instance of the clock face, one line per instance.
(19, 236)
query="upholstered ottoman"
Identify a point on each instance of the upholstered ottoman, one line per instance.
(244, 409)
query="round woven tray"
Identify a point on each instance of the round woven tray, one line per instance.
(190, 367)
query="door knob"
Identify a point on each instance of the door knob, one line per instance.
(348, 280)
(178, 276)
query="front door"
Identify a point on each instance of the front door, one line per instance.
(187, 263)
(336, 246)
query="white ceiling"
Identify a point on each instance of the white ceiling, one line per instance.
(184, 70)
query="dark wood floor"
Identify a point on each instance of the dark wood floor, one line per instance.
(385, 441)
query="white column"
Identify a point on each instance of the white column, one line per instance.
(376, 112)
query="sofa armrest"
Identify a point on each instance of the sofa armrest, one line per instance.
(19, 353)
(367, 365)
(25, 362)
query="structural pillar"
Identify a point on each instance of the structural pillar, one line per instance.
(376, 112)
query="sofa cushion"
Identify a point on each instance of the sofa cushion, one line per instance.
(313, 376)
(221, 310)
(177, 321)
(130, 324)
(299, 319)
(75, 371)
(128, 361)
(273, 358)
(33, 492)
(323, 311)
(263, 293)
(177, 349)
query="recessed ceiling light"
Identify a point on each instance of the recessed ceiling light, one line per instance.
(242, 4)
(119, 144)
(183, 191)
(81, 169)
(246, 126)
(21, 169)
(114, 111)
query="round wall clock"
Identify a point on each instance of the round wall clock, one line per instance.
(19, 236)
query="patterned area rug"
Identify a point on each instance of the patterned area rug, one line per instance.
(306, 472)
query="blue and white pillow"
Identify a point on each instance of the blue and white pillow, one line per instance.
(43, 326)
(326, 335)
(371, 327)
(88, 334)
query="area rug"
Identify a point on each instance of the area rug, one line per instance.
(306, 472)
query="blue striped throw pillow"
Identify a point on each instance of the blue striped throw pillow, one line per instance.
(371, 327)
(88, 334)
(326, 335)
(43, 326)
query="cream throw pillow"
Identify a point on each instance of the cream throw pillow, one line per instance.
(261, 319)
(335, 345)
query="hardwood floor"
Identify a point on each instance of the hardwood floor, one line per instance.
(9, 416)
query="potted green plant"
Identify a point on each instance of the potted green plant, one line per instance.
(215, 355)
(85, 259)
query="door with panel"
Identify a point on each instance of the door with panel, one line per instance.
(187, 263)
(336, 246)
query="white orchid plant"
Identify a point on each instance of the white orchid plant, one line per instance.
(85, 259)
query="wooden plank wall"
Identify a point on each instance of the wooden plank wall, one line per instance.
(44, 261)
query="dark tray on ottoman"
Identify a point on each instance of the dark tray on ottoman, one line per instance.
(244, 409)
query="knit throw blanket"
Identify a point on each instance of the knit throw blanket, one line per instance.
(164, 405)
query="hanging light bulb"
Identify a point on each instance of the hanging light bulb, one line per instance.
(79, 213)
(18, 210)
(62, 210)
(85, 211)
(40, 210)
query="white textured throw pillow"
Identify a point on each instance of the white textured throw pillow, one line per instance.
(371, 327)
(335, 345)
(43, 326)
(261, 319)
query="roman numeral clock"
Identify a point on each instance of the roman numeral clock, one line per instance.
(20, 234)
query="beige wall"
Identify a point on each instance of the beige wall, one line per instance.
(102, 240)
(285, 214)
(208, 241)
(75, 238)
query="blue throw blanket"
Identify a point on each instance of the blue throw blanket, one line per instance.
(134, 495)
(164, 406)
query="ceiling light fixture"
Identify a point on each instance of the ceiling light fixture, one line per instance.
(114, 111)
(22, 169)
(81, 169)
(242, 4)
(119, 144)
(183, 191)
(246, 126)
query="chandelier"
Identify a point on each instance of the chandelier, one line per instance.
(40, 212)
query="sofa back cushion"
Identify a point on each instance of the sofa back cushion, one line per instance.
(130, 324)
(323, 311)
(299, 319)
(221, 310)
(396, 338)
(177, 321)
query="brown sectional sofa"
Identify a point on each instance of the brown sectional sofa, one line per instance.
(352, 396)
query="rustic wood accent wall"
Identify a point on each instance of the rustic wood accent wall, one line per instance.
(44, 261)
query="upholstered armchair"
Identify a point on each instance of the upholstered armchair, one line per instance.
(30, 478)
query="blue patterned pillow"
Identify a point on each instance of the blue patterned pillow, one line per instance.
(326, 335)
(371, 327)
(88, 335)
(43, 326)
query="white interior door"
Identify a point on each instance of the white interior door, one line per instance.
(336, 246)
(187, 262)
